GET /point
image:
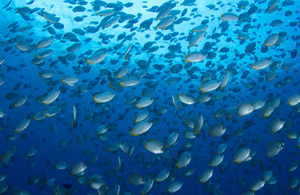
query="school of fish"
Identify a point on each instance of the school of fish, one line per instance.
(149, 97)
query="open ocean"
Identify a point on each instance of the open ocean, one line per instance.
(149, 97)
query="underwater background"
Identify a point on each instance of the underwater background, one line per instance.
(152, 97)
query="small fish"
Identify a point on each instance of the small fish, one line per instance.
(74, 121)
(127, 52)
(1, 62)
(7, 4)
(30, 2)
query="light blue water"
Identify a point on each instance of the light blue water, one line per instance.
(224, 53)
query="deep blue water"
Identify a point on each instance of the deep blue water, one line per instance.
(249, 32)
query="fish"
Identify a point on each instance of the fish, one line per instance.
(67, 186)
(74, 121)
(127, 52)
(7, 4)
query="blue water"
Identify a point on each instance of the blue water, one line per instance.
(224, 51)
